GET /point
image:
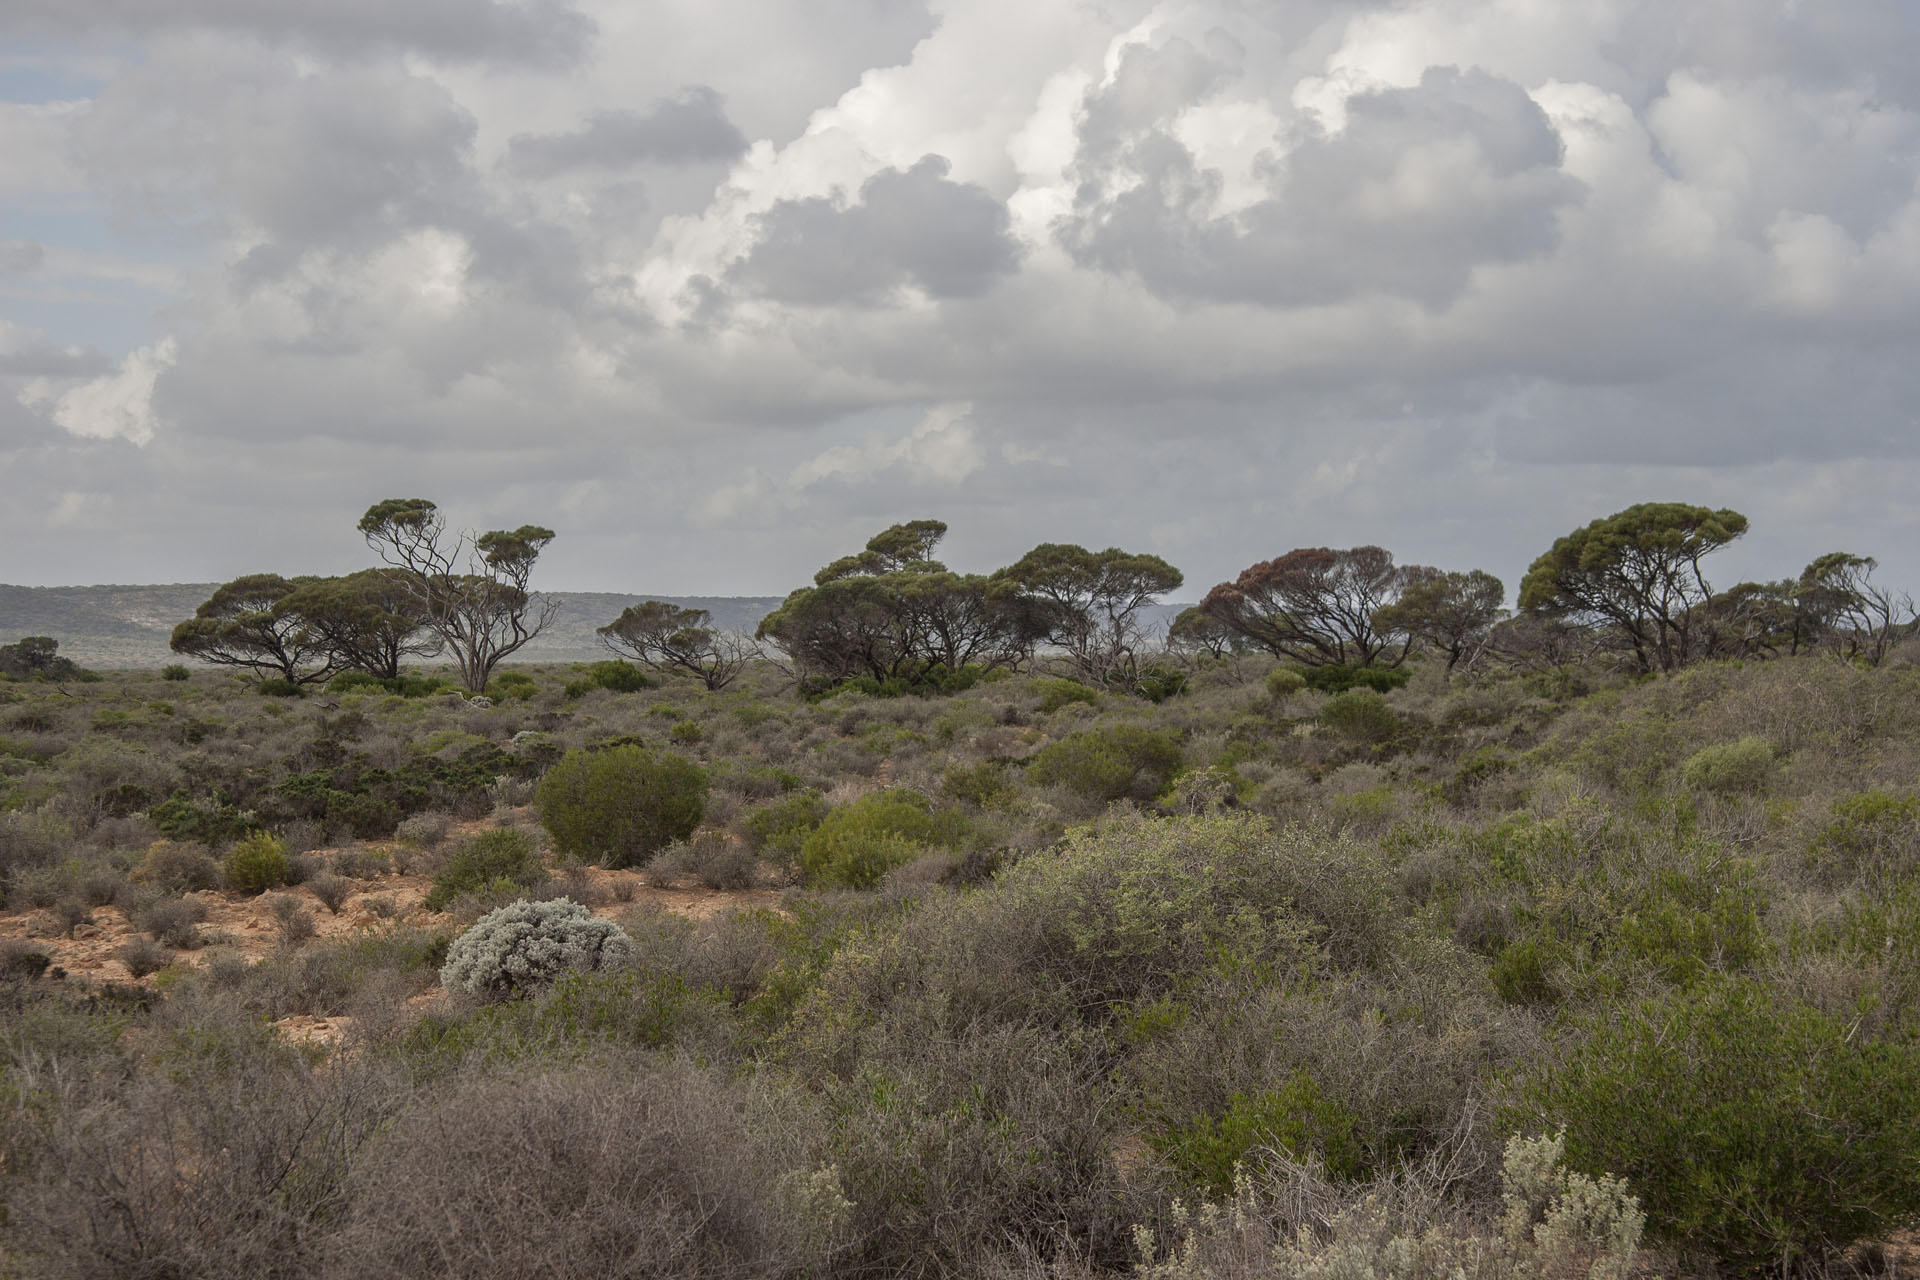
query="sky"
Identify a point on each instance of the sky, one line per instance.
(716, 289)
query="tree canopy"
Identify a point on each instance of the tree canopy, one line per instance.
(1088, 603)
(1637, 571)
(1317, 605)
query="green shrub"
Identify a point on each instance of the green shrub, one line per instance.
(859, 843)
(618, 676)
(523, 945)
(1156, 682)
(1730, 768)
(783, 825)
(1361, 716)
(256, 863)
(1056, 693)
(504, 855)
(1120, 762)
(514, 685)
(1338, 679)
(174, 671)
(407, 685)
(1295, 1118)
(978, 784)
(620, 806)
(278, 688)
(1759, 1130)
(686, 733)
(1872, 834)
(1284, 682)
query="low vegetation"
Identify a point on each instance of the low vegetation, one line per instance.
(1582, 943)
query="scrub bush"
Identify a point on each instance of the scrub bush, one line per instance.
(523, 945)
(859, 843)
(500, 858)
(619, 806)
(1123, 762)
(256, 863)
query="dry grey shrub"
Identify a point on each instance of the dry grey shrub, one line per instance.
(626, 1169)
(526, 943)
(1553, 1225)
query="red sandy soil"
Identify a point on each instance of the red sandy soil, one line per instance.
(238, 924)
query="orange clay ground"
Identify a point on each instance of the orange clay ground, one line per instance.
(242, 925)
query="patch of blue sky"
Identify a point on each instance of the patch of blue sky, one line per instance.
(87, 229)
(114, 316)
(34, 73)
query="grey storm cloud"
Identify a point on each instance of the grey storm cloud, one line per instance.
(1422, 185)
(909, 226)
(537, 32)
(20, 256)
(304, 159)
(688, 127)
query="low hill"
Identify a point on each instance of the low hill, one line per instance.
(128, 626)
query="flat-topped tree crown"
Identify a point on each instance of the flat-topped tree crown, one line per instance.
(471, 589)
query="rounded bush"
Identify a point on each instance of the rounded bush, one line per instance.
(175, 671)
(1121, 762)
(256, 863)
(1730, 768)
(620, 806)
(1361, 715)
(503, 858)
(859, 843)
(527, 943)
(1283, 682)
(1757, 1129)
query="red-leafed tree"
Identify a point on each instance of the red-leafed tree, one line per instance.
(1316, 605)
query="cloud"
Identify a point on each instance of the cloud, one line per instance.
(1450, 275)
(908, 227)
(689, 127)
(1418, 188)
(17, 257)
(540, 32)
(117, 406)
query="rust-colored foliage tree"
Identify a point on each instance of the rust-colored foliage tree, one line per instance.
(1316, 605)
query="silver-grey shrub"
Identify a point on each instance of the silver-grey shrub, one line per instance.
(526, 943)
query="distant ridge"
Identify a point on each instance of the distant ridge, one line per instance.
(128, 626)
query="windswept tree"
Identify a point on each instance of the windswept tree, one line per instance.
(36, 658)
(891, 611)
(1637, 573)
(1450, 613)
(472, 590)
(1317, 606)
(1196, 631)
(370, 621)
(1855, 616)
(1088, 603)
(667, 638)
(250, 623)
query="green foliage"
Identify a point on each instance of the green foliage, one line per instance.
(516, 686)
(1361, 716)
(505, 855)
(518, 947)
(257, 862)
(1295, 1119)
(618, 676)
(174, 671)
(859, 843)
(1124, 761)
(1730, 768)
(1759, 1130)
(408, 684)
(1056, 693)
(981, 784)
(620, 806)
(1284, 682)
(783, 825)
(1872, 836)
(1338, 678)
(1157, 681)
(279, 688)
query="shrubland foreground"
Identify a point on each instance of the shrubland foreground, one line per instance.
(1547, 972)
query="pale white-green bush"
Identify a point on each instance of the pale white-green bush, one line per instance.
(1554, 1225)
(526, 943)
